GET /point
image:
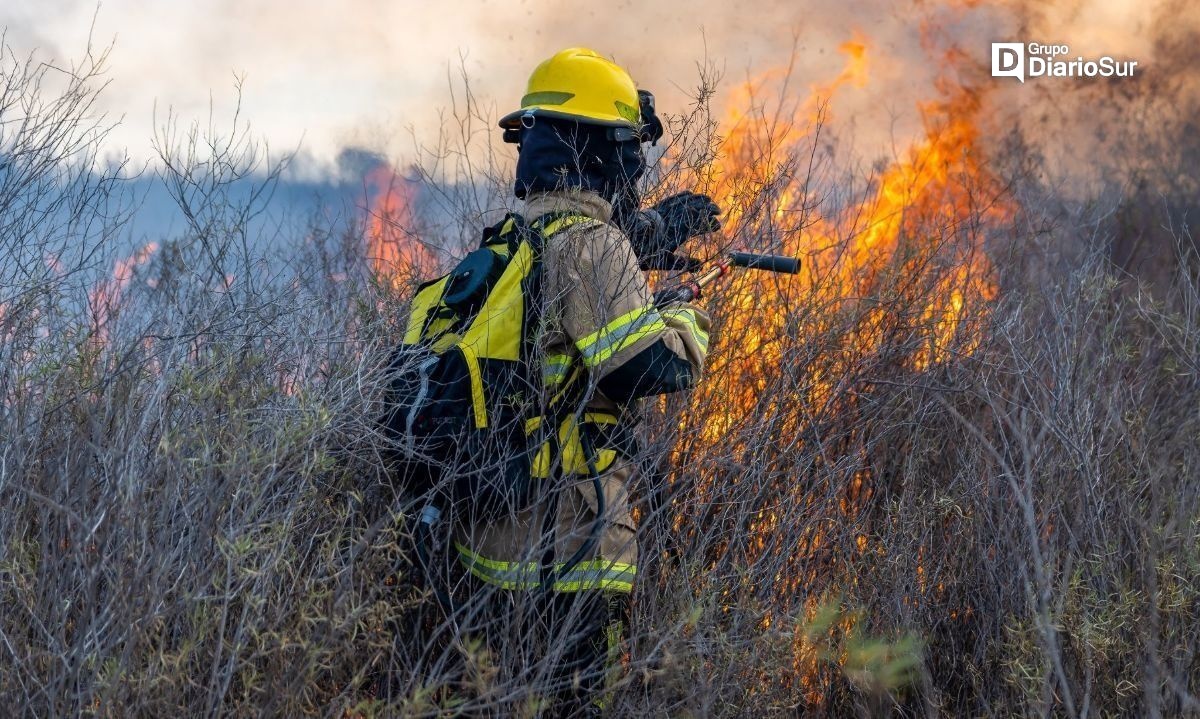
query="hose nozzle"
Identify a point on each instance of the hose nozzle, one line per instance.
(770, 263)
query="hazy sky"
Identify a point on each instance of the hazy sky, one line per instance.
(360, 72)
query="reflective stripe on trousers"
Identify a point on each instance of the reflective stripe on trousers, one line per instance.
(589, 575)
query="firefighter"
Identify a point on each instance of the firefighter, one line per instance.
(580, 132)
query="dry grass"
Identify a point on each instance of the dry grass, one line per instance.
(193, 523)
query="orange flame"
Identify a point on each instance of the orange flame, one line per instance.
(899, 270)
(755, 152)
(395, 253)
(923, 216)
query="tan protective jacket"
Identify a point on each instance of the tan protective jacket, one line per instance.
(600, 317)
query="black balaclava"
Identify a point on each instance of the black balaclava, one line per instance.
(558, 154)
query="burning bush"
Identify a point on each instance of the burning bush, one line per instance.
(937, 473)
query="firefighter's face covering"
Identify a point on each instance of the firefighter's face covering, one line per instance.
(563, 154)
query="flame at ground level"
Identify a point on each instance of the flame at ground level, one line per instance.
(894, 281)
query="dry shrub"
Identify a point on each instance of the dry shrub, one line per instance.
(868, 516)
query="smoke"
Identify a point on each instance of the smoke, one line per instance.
(1094, 132)
(377, 73)
(384, 75)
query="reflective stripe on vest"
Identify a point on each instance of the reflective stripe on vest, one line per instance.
(572, 458)
(591, 575)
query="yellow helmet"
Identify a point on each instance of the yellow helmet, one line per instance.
(579, 84)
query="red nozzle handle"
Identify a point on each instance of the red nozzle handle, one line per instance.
(680, 293)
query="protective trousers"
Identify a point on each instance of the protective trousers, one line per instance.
(566, 645)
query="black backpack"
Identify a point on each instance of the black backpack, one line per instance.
(465, 399)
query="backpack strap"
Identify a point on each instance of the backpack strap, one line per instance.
(504, 236)
(514, 227)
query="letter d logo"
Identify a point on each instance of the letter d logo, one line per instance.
(1008, 60)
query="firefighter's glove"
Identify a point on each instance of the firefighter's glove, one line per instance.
(658, 231)
(681, 217)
